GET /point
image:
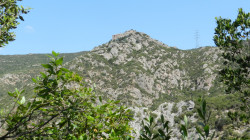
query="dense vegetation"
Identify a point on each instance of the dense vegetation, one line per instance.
(10, 13)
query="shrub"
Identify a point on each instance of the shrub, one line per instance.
(63, 108)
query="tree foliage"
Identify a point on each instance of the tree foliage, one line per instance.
(204, 129)
(63, 108)
(232, 37)
(151, 130)
(10, 13)
(233, 40)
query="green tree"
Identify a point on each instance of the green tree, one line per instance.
(232, 37)
(63, 108)
(10, 13)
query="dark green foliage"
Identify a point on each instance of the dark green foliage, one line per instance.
(10, 13)
(233, 39)
(184, 129)
(151, 130)
(204, 129)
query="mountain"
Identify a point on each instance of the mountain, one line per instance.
(139, 70)
(145, 74)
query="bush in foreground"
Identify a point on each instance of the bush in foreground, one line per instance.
(63, 108)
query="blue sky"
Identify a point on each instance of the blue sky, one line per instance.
(80, 25)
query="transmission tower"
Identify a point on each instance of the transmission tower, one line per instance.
(197, 37)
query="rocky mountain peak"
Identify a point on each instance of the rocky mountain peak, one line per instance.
(126, 33)
(122, 45)
(135, 65)
(134, 37)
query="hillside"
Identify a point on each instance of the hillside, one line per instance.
(145, 74)
(144, 70)
(17, 71)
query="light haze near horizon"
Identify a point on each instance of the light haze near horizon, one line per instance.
(74, 26)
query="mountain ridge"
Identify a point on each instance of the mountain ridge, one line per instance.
(150, 56)
(143, 73)
(144, 56)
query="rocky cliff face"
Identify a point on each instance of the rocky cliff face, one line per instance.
(139, 70)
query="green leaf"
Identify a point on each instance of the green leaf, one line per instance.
(11, 94)
(59, 61)
(22, 101)
(51, 58)
(186, 120)
(117, 102)
(166, 125)
(83, 137)
(100, 98)
(43, 75)
(200, 114)
(184, 131)
(55, 54)
(162, 118)
(151, 120)
(21, 18)
(46, 65)
(34, 80)
(17, 92)
(147, 129)
(64, 69)
(206, 129)
(74, 125)
(90, 118)
(204, 108)
(161, 132)
(113, 133)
